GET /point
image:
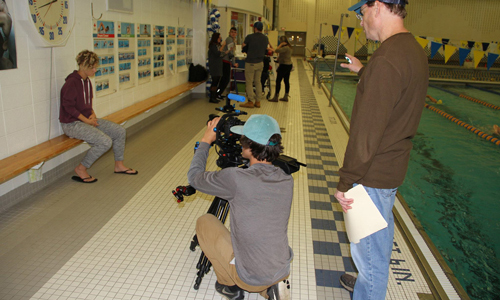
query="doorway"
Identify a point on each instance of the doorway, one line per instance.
(298, 41)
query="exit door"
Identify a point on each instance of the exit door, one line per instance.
(298, 41)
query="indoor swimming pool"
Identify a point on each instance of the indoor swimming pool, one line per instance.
(452, 185)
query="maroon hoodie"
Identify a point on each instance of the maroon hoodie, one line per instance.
(76, 98)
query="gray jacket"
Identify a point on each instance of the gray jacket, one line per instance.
(260, 198)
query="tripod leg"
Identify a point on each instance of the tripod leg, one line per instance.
(220, 209)
(203, 267)
(194, 243)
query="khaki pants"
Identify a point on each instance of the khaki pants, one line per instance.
(215, 241)
(252, 76)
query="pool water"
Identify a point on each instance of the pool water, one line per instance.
(453, 184)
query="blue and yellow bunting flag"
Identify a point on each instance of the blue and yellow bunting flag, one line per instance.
(463, 53)
(335, 29)
(492, 57)
(422, 42)
(449, 50)
(350, 31)
(435, 46)
(478, 55)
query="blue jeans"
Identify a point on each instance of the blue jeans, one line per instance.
(372, 254)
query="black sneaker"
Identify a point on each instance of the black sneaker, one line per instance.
(220, 97)
(348, 282)
(230, 292)
(279, 291)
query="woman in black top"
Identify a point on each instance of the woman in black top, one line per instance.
(215, 64)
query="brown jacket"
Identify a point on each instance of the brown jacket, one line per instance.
(389, 101)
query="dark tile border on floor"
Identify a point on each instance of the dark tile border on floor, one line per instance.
(321, 162)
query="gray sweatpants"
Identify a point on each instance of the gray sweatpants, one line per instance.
(99, 138)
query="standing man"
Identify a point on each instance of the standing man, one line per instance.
(227, 61)
(389, 102)
(257, 44)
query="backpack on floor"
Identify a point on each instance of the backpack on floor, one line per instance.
(197, 73)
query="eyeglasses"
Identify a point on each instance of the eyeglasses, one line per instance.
(360, 15)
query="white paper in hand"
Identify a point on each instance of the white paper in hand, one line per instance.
(364, 217)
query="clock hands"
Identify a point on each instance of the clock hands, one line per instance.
(48, 3)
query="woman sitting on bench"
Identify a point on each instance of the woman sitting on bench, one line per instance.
(79, 121)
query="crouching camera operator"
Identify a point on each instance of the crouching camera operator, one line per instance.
(255, 255)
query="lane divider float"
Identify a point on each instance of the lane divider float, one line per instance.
(479, 101)
(467, 97)
(434, 99)
(482, 89)
(469, 127)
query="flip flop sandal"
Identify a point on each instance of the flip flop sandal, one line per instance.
(126, 172)
(82, 180)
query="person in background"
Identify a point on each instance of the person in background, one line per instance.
(285, 67)
(265, 72)
(215, 64)
(320, 48)
(256, 45)
(227, 61)
(78, 120)
(389, 101)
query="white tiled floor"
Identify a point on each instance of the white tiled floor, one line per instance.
(127, 238)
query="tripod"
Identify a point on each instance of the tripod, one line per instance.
(220, 209)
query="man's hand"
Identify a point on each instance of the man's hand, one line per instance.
(355, 66)
(345, 203)
(210, 135)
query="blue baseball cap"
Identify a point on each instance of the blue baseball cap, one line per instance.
(357, 7)
(258, 25)
(258, 128)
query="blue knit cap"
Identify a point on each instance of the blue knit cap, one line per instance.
(258, 128)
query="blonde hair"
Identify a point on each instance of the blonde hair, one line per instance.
(87, 59)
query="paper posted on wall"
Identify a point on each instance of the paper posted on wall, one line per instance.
(363, 218)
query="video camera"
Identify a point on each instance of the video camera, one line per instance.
(228, 146)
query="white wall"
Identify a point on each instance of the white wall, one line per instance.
(253, 6)
(453, 19)
(26, 101)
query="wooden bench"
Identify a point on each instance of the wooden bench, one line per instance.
(23, 161)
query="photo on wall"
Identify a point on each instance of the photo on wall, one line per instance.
(104, 29)
(8, 52)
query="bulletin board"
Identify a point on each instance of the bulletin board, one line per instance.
(124, 6)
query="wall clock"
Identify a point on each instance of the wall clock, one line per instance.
(48, 22)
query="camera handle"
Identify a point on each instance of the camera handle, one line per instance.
(228, 108)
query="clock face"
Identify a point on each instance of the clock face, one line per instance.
(52, 19)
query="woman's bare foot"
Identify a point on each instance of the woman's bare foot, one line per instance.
(81, 171)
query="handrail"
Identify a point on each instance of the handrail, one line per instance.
(316, 71)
